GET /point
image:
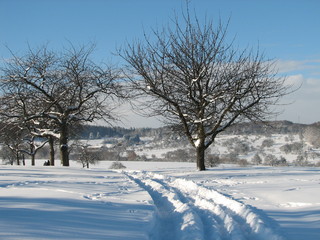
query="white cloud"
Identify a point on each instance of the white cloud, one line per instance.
(305, 85)
(313, 81)
(286, 66)
(295, 80)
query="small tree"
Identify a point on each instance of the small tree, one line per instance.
(270, 160)
(213, 160)
(34, 147)
(302, 160)
(11, 137)
(267, 143)
(117, 165)
(7, 155)
(282, 161)
(87, 157)
(256, 159)
(312, 135)
(198, 82)
(296, 148)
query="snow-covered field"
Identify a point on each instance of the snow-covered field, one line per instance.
(153, 200)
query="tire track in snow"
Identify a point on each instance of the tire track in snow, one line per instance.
(240, 220)
(177, 219)
(24, 183)
(214, 216)
(218, 224)
(209, 222)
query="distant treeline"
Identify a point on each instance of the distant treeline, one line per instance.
(272, 127)
(96, 132)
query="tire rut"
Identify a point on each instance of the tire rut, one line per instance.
(176, 219)
(195, 212)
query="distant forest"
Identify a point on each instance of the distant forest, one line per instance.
(96, 132)
(272, 127)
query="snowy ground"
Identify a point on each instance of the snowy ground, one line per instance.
(151, 200)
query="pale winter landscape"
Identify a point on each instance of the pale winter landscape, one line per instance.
(159, 120)
(164, 199)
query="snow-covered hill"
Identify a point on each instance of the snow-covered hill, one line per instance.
(270, 149)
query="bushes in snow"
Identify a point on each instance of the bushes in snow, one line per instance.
(243, 162)
(238, 145)
(256, 159)
(272, 160)
(117, 165)
(213, 160)
(294, 148)
(181, 155)
(302, 160)
(312, 135)
(242, 148)
(267, 143)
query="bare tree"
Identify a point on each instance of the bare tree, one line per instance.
(61, 89)
(18, 107)
(11, 137)
(87, 157)
(312, 135)
(34, 147)
(191, 76)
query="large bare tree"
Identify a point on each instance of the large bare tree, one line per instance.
(56, 91)
(192, 76)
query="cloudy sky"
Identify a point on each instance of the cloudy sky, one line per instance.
(285, 30)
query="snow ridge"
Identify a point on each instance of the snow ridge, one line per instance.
(189, 211)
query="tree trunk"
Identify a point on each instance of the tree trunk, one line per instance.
(64, 148)
(18, 159)
(51, 144)
(200, 148)
(33, 159)
(200, 151)
(33, 155)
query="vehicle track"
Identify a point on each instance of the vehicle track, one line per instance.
(177, 220)
(189, 211)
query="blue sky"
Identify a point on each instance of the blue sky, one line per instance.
(286, 30)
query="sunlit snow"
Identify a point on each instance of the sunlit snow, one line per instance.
(159, 200)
